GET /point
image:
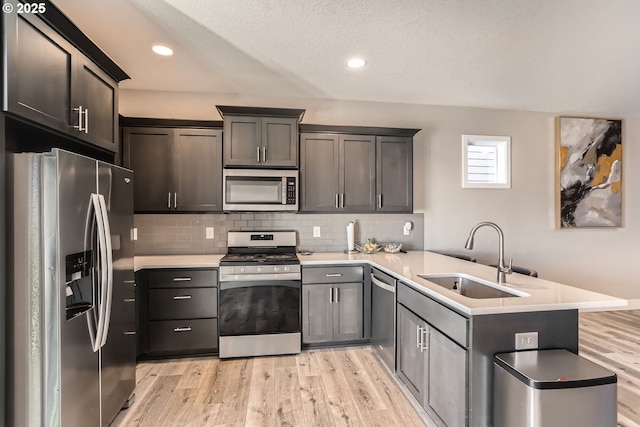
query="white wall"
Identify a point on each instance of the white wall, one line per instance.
(599, 260)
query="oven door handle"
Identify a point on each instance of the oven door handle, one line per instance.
(253, 284)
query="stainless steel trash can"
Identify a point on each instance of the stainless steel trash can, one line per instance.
(552, 388)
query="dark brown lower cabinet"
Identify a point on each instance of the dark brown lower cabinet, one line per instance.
(178, 312)
(180, 336)
(333, 304)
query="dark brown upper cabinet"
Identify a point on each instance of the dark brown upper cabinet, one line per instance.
(176, 169)
(257, 137)
(337, 173)
(353, 169)
(394, 174)
(52, 82)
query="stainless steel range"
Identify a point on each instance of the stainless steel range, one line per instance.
(260, 291)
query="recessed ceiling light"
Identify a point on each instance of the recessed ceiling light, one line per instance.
(162, 50)
(356, 63)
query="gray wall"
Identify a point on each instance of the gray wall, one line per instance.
(184, 234)
(600, 260)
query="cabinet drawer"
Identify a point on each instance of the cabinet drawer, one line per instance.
(333, 274)
(183, 303)
(188, 277)
(182, 335)
(437, 315)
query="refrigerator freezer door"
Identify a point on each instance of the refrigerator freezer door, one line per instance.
(68, 183)
(118, 353)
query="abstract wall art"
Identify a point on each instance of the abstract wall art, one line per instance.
(589, 177)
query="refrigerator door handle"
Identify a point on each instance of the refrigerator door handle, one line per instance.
(97, 343)
(109, 249)
(89, 229)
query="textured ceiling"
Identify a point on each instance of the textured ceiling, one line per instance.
(563, 56)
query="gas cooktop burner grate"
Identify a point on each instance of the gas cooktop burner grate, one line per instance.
(261, 248)
(289, 258)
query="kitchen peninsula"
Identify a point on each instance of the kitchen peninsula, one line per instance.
(474, 331)
(543, 295)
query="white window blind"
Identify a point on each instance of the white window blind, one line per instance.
(482, 164)
(486, 161)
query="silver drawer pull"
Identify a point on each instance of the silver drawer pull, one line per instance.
(129, 332)
(182, 279)
(334, 275)
(187, 329)
(129, 300)
(129, 282)
(425, 340)
(182, 297)
(80, 115)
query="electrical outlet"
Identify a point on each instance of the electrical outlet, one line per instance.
(209, 232)
(407, 228)
(316, 231)
(526, 340)
(134, 234)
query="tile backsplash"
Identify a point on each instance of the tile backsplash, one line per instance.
(184, 234)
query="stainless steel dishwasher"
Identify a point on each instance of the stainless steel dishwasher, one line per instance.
(383, 317)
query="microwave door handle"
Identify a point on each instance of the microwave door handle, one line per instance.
(284, 190)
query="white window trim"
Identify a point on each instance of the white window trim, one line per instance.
(503, 144)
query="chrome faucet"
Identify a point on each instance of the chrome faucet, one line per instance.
(503, 269)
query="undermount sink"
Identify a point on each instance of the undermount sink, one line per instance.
(470, 286)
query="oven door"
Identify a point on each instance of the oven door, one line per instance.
(257, 307)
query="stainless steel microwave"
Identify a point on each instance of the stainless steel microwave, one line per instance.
(260, 190)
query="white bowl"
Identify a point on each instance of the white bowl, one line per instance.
(392, 248)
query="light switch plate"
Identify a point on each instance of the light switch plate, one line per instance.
(526, 340)
(134, 234)
(316, 231)
(209, 232)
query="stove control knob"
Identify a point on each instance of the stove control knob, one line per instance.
(276, 269)
(243, 270)
(232, 270)
(259, 269)
(286, 269)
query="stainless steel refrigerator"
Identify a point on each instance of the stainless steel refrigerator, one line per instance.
(70, 290)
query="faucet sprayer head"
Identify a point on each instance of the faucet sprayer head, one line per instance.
(469, 243)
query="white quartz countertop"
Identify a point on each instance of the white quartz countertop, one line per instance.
(543, 294)
(176, 261)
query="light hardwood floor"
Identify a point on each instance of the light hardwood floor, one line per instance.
(329, 387)
(336, 387)
(612, 340)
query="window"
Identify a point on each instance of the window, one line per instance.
(486, 161)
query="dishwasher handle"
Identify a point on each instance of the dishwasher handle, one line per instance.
(381, 284)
